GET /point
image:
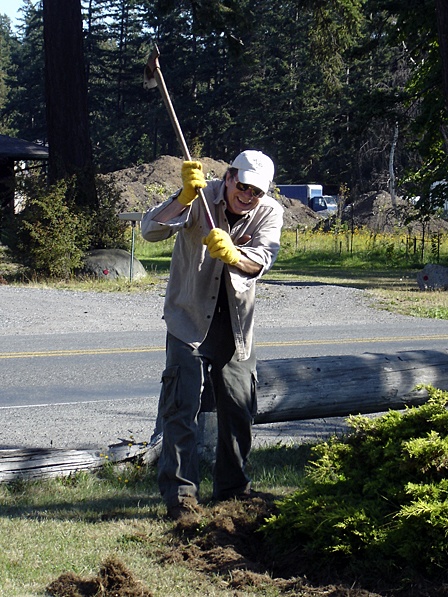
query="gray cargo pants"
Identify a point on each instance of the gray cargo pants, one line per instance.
(234, 385)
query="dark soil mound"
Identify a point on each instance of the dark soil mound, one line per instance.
(377, 212)
(148, 184)
(113, 580)
(227, 545)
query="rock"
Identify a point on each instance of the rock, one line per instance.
(433, 277)
(111, 263)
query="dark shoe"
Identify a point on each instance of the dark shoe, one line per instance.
(186, 510)
(238, 494)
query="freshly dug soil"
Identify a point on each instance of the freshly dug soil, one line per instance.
(228, 547)
(149, 184)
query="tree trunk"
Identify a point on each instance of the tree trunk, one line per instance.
(7, 187)
(288, 390)
(442, 32)
(49, 463)
(70, 151)
(392, 168)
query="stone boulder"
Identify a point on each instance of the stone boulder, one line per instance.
(111, 263)
(433, 277)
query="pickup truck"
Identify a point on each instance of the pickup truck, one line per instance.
(310, 195)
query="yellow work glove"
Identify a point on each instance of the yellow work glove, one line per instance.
(192, 180)
(221, 246)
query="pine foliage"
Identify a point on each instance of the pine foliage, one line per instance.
(325, 88)
(50, 234)
(376, 501)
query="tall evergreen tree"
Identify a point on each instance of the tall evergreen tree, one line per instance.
(25, 106)
(116, 51)
(7, 77)
(322, 86)
(419, 26)
(66, 99)
(442, 34)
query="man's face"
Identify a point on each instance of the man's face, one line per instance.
(240, 201)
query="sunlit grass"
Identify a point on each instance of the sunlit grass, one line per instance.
(74, 524)
(361, 250)
(88, 284)
(433, 305)
(339, 255)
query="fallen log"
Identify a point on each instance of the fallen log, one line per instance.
(38, 463)
(337, 386)
(288, 390)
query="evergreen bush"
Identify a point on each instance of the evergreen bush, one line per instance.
(374, 502)
(106, 230)
(50, 235)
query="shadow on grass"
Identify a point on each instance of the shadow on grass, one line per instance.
(318, 275)
(108, 495)
(328, 275)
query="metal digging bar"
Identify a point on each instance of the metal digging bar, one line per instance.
(153, 78)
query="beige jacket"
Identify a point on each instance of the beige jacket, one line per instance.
(193, 286)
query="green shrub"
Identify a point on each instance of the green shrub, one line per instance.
(50, 235)
(106, 230)
(376, 501)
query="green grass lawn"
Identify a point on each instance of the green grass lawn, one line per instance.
(75, 524)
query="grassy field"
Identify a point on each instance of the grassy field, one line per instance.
(49, 528)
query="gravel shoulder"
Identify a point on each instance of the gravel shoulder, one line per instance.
(27, 311)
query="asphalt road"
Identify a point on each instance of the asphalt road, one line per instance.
(63, 368)
(78, 370)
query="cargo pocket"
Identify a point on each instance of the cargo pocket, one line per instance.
(168, 395)
(254, 393)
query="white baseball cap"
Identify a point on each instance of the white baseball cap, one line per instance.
(254, 168)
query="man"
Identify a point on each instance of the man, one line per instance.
(209, 310)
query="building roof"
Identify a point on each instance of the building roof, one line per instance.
(18, 149)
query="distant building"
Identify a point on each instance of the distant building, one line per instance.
(14, 150)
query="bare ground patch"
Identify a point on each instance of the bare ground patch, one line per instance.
(227, 548)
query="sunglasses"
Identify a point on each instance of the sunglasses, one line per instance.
(255, 193)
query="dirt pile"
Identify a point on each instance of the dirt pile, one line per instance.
(228, 549)
(113, 580)
(298, 215)
(229, 546)
(148, 184)
(377, 212)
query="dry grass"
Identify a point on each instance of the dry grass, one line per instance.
(430, 304)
